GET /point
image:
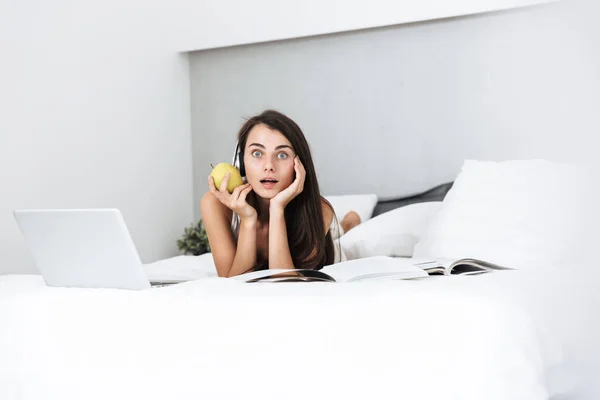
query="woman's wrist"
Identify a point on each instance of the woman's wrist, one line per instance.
(249, 221)
(276, 209)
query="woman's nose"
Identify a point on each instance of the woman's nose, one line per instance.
(268, 166)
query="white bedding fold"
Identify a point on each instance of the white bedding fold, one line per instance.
(488, 336)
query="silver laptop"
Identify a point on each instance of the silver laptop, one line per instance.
(87, 248)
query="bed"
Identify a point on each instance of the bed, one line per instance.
(503, 335)
(493, 337)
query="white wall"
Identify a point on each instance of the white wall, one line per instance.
(94, 99)
(94, 112)
(395, 111)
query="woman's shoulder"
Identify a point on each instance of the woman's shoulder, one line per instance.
(210, 205)
(327, 214)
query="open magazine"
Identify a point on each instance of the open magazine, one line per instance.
(461, 266)
(368, 268)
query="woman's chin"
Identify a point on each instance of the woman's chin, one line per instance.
(266, 194)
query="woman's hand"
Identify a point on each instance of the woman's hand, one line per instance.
(235, 201)
(283, 198)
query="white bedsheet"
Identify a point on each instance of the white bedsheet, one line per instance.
(503, 335)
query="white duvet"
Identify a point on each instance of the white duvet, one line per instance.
(504, 335)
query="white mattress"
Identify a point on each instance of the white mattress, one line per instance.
(504, 335)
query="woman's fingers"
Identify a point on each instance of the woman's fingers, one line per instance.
(236, 192)
(301, 168)
(224, 183)
(223, 197)
(211, 184)
(300, 174)
(245, 192)
(233, 200)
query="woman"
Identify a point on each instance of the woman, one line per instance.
(277, 219)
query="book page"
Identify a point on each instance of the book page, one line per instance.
(428, 265)
(374, 267)
(281, 275)
(458, 266)
(467, 266)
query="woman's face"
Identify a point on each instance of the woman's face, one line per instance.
(269, 161)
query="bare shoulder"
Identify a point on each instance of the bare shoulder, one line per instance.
(327, 214)
(212, 207)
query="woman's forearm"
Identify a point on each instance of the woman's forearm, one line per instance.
(279, 249)
(245, 254)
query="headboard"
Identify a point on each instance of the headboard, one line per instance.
(437, 193)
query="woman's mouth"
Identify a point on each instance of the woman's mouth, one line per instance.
(268, 183)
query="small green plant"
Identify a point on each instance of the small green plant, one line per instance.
(194, 240)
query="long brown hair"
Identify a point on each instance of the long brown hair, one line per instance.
(309, 247)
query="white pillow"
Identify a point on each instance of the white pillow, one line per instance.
(182, 267)
(393, 233)
(362, 204)
(518, 213)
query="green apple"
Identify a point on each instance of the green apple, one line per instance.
(219, 171)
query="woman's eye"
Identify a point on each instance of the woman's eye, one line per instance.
(256, 153)
(282, 156)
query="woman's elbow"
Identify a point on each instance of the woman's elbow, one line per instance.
(223, 272)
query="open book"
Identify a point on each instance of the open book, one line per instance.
(461, 266)
(378, 267)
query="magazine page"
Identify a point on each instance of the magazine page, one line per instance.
(374, 267)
